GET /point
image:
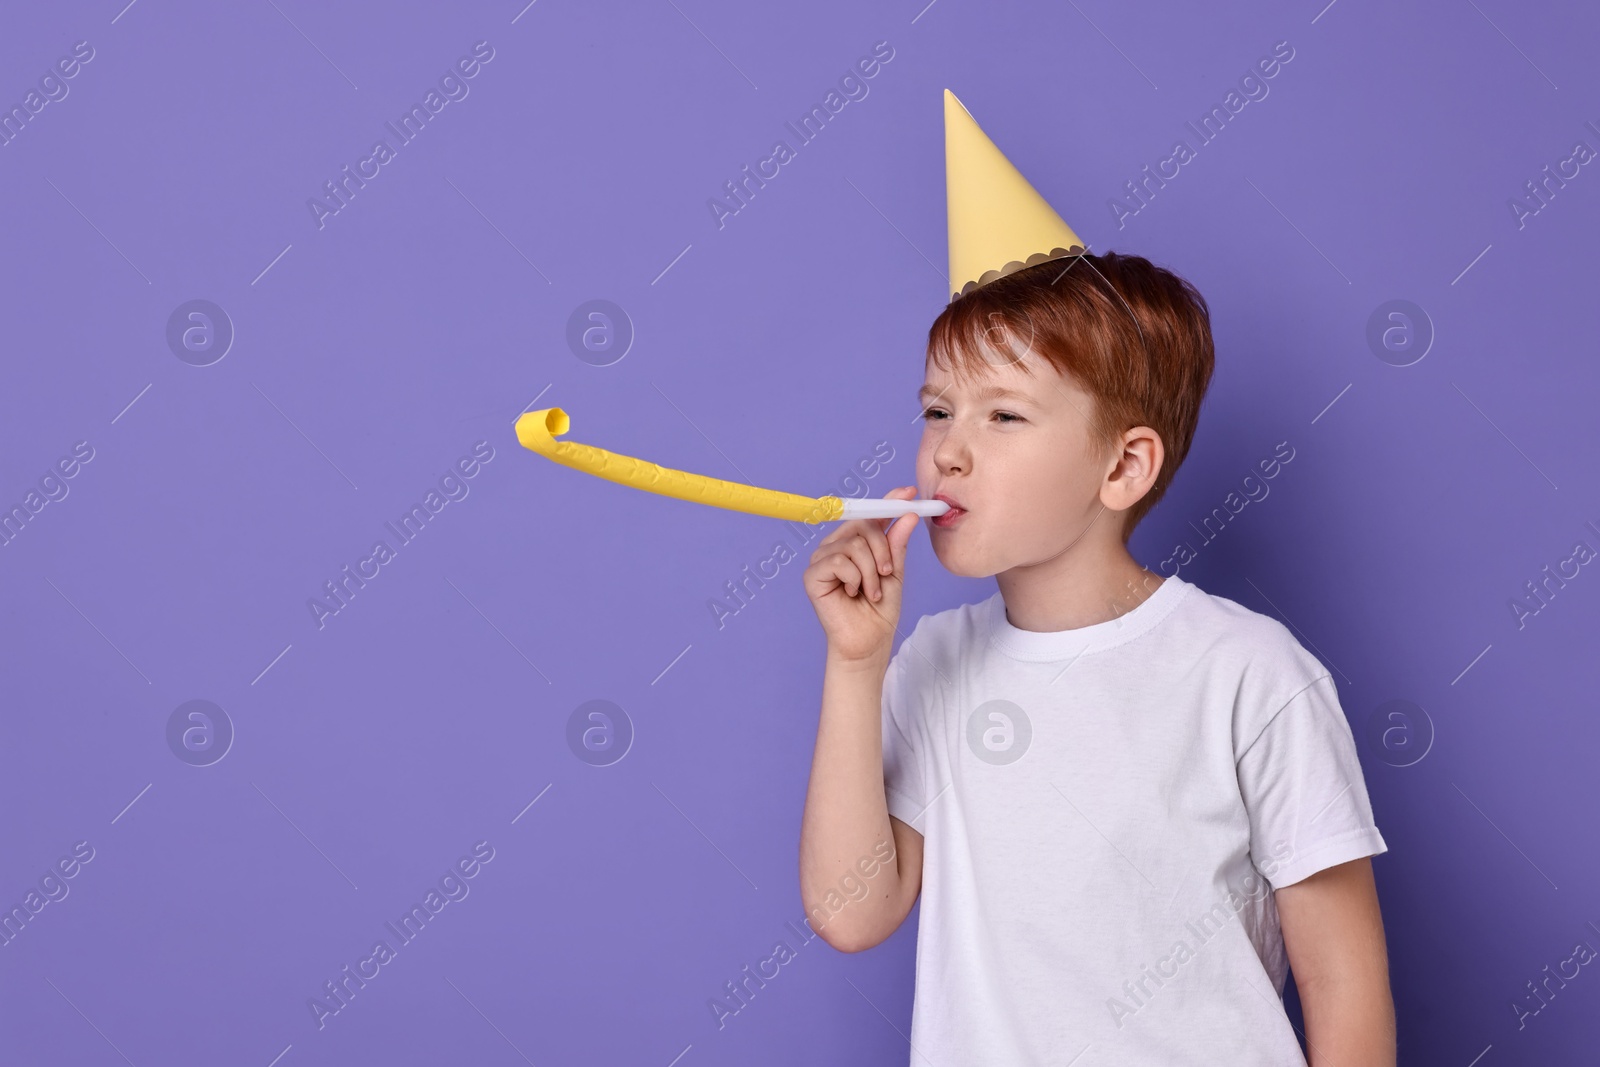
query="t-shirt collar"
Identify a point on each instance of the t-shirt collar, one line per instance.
(1097, 637)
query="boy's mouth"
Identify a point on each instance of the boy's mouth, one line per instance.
(951, 517)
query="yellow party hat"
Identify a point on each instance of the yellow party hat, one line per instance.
(998, 222)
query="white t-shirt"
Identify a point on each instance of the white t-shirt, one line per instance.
(1099, 807)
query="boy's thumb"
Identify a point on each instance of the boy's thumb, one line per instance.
(899, 534)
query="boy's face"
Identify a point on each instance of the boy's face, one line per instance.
(1018, 465)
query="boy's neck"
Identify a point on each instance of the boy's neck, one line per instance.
(1090, 583)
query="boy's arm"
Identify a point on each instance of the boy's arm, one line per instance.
(860, 871)
(1333, 932)
(847, 831)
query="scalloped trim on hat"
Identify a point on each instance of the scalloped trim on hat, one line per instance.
(1015, 265)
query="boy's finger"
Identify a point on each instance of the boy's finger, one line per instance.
(845, 572)
(898, 532)
(881, 526)
(882, 554)
(846, 530)
(862, 554)
(898, 536)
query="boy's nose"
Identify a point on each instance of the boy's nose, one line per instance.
(952, 454)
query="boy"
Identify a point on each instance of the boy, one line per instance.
(1129, 805)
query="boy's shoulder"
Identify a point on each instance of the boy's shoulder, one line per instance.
(1254, 641)
(1228, 656)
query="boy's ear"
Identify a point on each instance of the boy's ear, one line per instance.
(1134, 469)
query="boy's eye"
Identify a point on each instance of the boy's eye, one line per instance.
(932, 414)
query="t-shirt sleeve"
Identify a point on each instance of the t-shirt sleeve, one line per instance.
(1304, 791)
(902, 767)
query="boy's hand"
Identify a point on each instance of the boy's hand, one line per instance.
(855, 580)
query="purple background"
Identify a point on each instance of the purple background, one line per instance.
(373, 352)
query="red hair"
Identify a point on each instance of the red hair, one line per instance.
(1134, 336)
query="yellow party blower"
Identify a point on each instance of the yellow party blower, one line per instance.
(538, 430)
